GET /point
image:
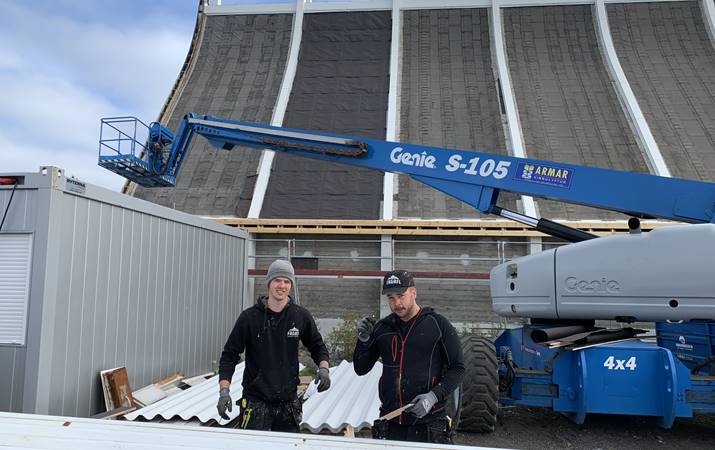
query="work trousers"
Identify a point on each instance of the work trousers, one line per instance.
(436, 431)
(258, 415)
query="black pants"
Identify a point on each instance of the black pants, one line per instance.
(257, 415)
(436, 431)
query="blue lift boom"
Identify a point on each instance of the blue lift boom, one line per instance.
(561, 360)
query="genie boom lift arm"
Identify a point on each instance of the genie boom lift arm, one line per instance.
(561, 360)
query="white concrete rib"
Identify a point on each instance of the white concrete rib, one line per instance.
(708, 10)
(392, 129)
(516, 138)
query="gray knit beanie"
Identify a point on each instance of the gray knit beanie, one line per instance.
(280, 268)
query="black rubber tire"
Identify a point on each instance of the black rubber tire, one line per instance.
(479, 393)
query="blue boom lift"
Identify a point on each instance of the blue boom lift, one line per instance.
(561, 360)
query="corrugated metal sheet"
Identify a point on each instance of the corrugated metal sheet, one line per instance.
(351, 400)
(196, 402)
(50, 432)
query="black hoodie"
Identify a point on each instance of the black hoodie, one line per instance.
(271, 343)
(418, 356)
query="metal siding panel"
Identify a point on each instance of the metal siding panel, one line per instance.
(89, 301)
(76, 301)
(101, 303)
(22, 214)
(63, 289)
(12, 371)
(115, 291)
(164, 326)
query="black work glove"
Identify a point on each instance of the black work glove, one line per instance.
(323, 379)
(422, 404)
(364, 328)
(224, 403)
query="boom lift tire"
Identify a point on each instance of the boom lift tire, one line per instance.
(479, 394)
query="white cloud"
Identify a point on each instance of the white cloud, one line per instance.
(59, 76)
(16, 158)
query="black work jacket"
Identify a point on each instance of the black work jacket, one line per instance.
(270, 341)
(427, 357)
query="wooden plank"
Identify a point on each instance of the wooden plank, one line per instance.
(116, 388)
(377, 274)
(420, 227)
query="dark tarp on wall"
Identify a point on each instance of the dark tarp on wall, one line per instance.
(341, 86)
(448, 99)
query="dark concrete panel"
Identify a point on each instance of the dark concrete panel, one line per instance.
(669, 61)
(340, 86)
(448, 99)
(331, 252)
(330, 298)
(462, 302)
(237, 75)
(568, 108)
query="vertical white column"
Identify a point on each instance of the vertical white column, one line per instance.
(630, 105)
(512, 114)
(387, 263)
(391, 132)
(266, 162)
(708, 10)
(392, 110)
(516, 138)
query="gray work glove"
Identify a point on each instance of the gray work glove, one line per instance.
(224, 403)
(422, 404)
(364, 328)
(323, 379)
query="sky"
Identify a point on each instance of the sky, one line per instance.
(64, 64)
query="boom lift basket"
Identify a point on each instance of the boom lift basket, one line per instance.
(124, 149)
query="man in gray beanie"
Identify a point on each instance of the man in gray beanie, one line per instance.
(269, 332)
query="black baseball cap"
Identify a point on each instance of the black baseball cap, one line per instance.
(397, 282)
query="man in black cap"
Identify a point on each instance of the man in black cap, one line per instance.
(269, 332)
(422, 364)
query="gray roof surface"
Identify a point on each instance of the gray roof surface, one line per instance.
(237, 75)
(669, 61)
(449, 99)
(568, 108)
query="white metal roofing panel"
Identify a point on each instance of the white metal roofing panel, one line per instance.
(31, 431)
(15, 257)
(351, 400)
(195, 402)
